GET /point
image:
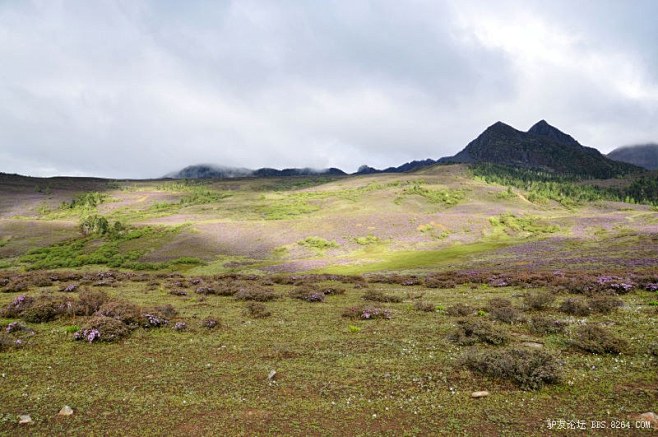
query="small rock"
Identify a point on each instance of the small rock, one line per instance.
(479, 394)
(650, 417)
(66, 411)
(532, 344)
(272, 375)
(24, 419)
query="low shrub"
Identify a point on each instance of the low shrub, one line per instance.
(102, 328)
(543, 325)
(530, 369)
(8, 343)
(507, 315)
(125, 312)
(332, 291)
(539, 300)
(367, 313)
(380, 296)
(307, 293)
(471, 331)
(209, 323)
(14, 309)
(47, 308)
(256, 310)
(167, 311)
(180, 326)
(427, 307)
(498, 302)
(604, 304)
(151, 320)
(575, 307)
(258, 294)
(460, 310)
(594, 339)
(89, 302)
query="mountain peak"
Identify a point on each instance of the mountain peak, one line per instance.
(543, 129)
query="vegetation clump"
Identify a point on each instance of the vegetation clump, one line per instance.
(460, 310)
(317, 243)
(604, 304)
(539, 300)
(101, 328)
(308, 294)
(427, 307)
(256, 310)
(380, 296)
(367, 313)
(597, 340)
(544, 325)
(472, 331)
(253, 293)
(575, 307)
(530, 369)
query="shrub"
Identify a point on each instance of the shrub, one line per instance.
(471, 331)
(498, 302)
(17, 306)
(8, 342)
(180, 326)
(256, 310)
(594, 339)
(460, 310)
(543, 325)
(47, 308)
(604, 304)
(209, 323)
(183, 292)
(530, 369)
(505, 314)
(575, 307)
(539, 300)
(427, 307)
(101, 328)
(380, 296)
(307, 294)
(126, 312)
(150, 320)
(166, 311)
(258, 294)
(332, 291)
(89, 302)
(367, 313)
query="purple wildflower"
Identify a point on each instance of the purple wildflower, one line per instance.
(153, 321)
(71, 287)
(653, 286)
(315, 297)
(13, 327)
(180, 326)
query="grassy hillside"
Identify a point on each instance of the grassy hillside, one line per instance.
(331, 305)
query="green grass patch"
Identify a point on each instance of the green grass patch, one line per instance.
(317, 243)
(411, 260)
(367, 240)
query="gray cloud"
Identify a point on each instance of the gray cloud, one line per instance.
(138, 89)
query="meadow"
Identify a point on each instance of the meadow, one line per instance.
(361, 305)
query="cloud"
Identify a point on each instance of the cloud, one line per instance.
(139, 89)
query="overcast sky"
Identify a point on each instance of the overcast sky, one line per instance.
(141, 88)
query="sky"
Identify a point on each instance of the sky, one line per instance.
(138, 89)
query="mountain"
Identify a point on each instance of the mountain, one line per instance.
(409, 166)
(208, 171)
(543, 147)
(642, 155)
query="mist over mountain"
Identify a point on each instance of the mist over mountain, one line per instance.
(542, 147)
(642, 155)
(210, 171)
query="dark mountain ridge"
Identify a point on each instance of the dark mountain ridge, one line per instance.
(209, 171)
(543, 147)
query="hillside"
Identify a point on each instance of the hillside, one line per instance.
(543, 147)
(643, 155)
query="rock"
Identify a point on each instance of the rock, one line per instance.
(479, 394)
(24, 419)
(532, 344)
(65, 411)
(272, 375)
(650, 417)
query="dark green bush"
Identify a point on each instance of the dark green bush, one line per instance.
(109, 329)
(604, 304)
(505, 314)
(125, 312)
(89, 302)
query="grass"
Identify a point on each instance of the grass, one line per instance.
(380, 376)
(410, 260)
